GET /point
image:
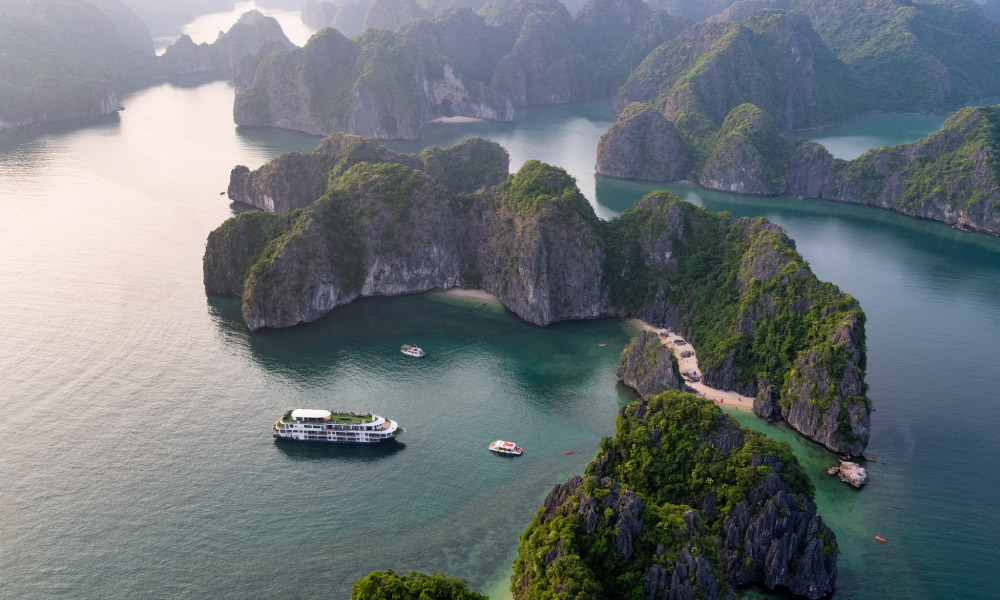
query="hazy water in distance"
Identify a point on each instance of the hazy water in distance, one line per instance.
(135, 448)
(205, 29)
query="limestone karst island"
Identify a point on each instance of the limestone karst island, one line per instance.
(509, 299)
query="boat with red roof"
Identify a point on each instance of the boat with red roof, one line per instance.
(502, 447)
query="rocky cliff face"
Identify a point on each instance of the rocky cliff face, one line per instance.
(950, 176)
(392, 14)
(381, 86)
(654, 540)
(771, 59)
(395, 245)
(132, 29)
(749, 155)
(251, 34)
(534, 241)
(64, 60)
(647, 366)
(296, 180)
(643, 145)
(543, 67)
(389, 82)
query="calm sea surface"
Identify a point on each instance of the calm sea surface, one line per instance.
(135, 450)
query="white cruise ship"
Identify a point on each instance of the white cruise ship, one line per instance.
(310, 425)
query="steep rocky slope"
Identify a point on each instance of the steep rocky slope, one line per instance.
(66, 59)
(648, 367)
(643, 144)
(761, 321)
(680, 503)
(952, 176)
(63, 60)
(129, 26)
(772, 59)
(381, 85)
(386, 85)
(296, 180)
(246, 38)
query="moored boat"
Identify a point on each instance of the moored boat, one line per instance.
(502, 447)
(411, 350)
(309, 425)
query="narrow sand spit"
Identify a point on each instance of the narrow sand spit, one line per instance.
(721, 397)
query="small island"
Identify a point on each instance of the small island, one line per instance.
(762, 323)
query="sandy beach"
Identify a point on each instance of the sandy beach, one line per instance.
(721, 397)
(456, 120)
(478, 295)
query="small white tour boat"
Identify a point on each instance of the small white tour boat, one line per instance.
(502, 447)
(411, 350)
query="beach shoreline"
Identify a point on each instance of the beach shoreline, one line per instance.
(720, 397)
(456, 120)
(467, 294)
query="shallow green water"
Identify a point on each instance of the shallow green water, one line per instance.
(135, 448)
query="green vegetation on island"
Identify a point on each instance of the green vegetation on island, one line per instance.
(681, 502)
(387, 585)
(763, 324)
(71, 59)
(387, 84)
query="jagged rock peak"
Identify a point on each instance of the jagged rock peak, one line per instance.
(643, 145)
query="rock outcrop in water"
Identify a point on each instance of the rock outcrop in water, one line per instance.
(251, 33)
(381, 85)
(643, 145)
(387, 84)
(681, 503)
(63, 60)
(393, 224)
(648, 367)
(68, 60)
(296, 180)
(951, 176)
(749, 154)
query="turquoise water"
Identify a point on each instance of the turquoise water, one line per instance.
(135, 448)
(854, 138)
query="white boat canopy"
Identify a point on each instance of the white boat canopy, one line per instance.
(308, 413)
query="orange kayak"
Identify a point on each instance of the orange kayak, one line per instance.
(881, 539)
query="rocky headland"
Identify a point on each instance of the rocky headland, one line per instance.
(72, 60)
(680, 503)
(387, 83)
(408, 224)
(715, 104)
(952, 176)
(251, 34)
